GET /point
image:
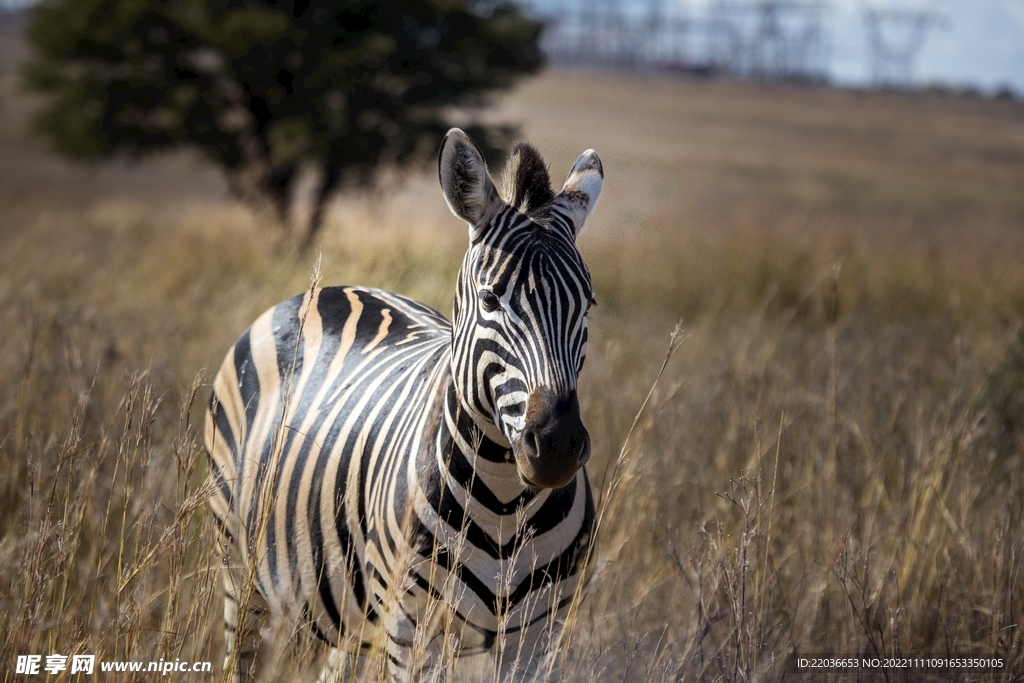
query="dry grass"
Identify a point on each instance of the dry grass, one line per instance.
(830, 463)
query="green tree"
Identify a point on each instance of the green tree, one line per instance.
(268, 88)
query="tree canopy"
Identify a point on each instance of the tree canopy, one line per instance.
(267, 88)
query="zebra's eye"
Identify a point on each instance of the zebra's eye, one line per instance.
(488, 300)
(591, 304)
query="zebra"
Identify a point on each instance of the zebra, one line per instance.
(399, 482)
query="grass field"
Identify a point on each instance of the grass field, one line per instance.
(831, 462)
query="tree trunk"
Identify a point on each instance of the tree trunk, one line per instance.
(327, 185)
(277, 185)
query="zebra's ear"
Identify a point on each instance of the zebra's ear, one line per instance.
(465, 182)
(582, 188)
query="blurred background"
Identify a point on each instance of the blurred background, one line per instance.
(830, 195)
(940, 44)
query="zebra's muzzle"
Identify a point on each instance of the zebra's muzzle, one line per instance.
(554, 444)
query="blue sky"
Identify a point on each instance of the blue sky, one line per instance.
(978, 43)
(985, 44)
(981, 43)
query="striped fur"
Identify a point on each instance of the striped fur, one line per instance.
(388, 478)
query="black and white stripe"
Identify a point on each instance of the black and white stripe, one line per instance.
(389, 478)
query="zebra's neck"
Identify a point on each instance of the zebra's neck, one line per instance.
(479, 471)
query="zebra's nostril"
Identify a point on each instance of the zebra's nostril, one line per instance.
(585, 453)
(530, 445)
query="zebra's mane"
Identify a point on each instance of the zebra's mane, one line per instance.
(525, 184)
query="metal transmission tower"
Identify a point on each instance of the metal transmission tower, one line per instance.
(561, 38)
(610, 31)
(649, 39)
(596, 32)
(666, 36)
(895, 36)
(772, 40)
(625, 33)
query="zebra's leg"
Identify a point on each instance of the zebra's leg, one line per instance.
(399, 642)
(418, 653)
(413, 651)
(242, 632)
(539, 667)
(338, 666)
(529, 656)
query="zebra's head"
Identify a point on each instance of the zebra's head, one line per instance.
(520, 320)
